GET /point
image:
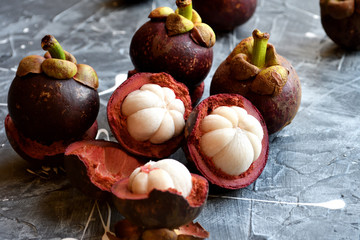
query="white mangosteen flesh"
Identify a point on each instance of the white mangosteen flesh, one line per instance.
(231, 138)
(161, 175)
(153, 114)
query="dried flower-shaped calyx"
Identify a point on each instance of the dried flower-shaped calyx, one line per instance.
(183, 20)
(57, 64)
(161, 175)
(339, 9)
(231, 138)
(154, 113)
(254, 58)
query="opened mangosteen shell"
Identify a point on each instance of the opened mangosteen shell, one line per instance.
(160, 209)
(117, 121)
(152, 50)
(46, 109)
(278, 111)
(38, 153)
(93, 166)
(202, 162)
(225, 15)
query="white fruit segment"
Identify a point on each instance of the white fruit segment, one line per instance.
(153, 113)
(231, 138)
(161, 175)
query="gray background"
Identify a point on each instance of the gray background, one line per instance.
(313, 160)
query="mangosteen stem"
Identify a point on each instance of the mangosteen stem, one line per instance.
(49, 43)
(185, 8)
(259, 49)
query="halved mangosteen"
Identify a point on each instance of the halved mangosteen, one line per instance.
(227, 140)
(162, 194)
(94, 166)
(147, 114)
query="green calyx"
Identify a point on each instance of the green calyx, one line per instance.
(253, 58)
(58, 64)
(185, 19)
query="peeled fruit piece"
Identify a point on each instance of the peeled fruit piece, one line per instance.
(227, 140)
(94, 166)
(161, 194)
(147, 114)
(225, 15)
(254, 70)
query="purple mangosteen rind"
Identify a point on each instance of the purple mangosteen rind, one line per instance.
(274, 88)
(225, 15)
(37, 153)
(52, 98)
(117, 120)
(202, 162)
(341, 22)
(186, 53)
(89, 164)
(160, 208)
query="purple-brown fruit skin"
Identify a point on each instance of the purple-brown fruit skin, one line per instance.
(47, 109)
(225, 15)
(39, 154)
(152, 50)
(344, 31)
(277, 111)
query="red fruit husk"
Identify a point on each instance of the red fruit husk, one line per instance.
(204, 163)
(117, 121)
(94, 166)
(38, 153)
(160, 209)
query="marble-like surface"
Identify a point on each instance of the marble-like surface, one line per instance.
(314, 160)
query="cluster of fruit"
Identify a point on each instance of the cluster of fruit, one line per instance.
(53, 105)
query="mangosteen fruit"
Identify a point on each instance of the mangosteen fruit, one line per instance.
(255, 70)
(175, 42)
(124, 229)
(147, 114)
(225, 15)
(162, 194)
(227, 141)
(52, 101)
(341, 22)
(93, 166)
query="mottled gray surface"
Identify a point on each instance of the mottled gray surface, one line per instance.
(313, 160)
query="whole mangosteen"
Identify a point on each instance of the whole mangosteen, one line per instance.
(341, 22)
(177, 43)
(52, 102)
(162, 194)
(227, 140)
(225, 15)
(147, 114)
(254, 70)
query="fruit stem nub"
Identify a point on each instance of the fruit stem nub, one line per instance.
(259, 49)
(185, 8)
(49, 43)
